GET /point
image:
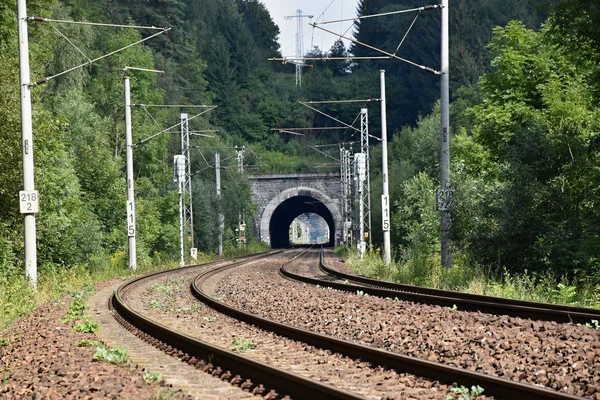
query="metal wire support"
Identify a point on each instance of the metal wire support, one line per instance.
(366, 193)
(242, 220)
(299, 43)
(188, 209)
(346, 193)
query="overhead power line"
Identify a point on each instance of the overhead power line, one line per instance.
(89, 62)
(423, 67)
(418, 9)
(60, 21)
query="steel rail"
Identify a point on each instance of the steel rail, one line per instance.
(282, 381)
(465, 301)
(497, 387)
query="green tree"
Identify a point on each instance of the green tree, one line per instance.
(538, 121)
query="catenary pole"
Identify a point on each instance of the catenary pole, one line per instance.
(181, 223)
(27, 138)
(131, 226)
(131, 218)
(385, 198)
(445, 195)
(188, 209)
(221, 219)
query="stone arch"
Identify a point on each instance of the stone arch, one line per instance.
(294, 198)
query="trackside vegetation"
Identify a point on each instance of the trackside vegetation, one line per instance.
(544, 287)
(525, 139)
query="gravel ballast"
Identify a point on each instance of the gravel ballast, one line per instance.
(562, 357)
(43, 359)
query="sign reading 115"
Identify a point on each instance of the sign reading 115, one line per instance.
(385, 213)
(130, 219)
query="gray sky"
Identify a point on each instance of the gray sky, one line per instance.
(339, 9)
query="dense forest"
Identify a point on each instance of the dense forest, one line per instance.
(524, 116)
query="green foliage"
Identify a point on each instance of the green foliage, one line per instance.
(87, 326)
(157, 304)
(17, 298)
(595, 324)
(4, 342)
(210, 319)
(537, 122)
(152, 377)
(464, 393)
(241, 345)
(471, 23)
(113, 356)
(88, 343)
(76, 310)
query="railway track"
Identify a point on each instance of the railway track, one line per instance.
(494, 386)
(447, 298)
(257, 377)
(265, 379)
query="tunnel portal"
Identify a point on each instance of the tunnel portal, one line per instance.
(291, 208)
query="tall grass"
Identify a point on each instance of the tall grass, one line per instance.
(424, 269)
(17, 298)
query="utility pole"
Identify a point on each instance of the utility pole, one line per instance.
(348, 161)
(346, 188)
(29, 197)
(445, 195)
(131, 216)
(241, 220)
(131, 231)
(188, 211)
(179, 172)
(359, 185)
(343, 192)
(221, 217)
(364, 148)
(299, 44)
(385, 198)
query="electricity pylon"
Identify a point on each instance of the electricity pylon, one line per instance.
(346, 170)
(188, 210)
(299, 44)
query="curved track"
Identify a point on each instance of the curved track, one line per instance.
(448, 298)
(239, 370)
(497, 387)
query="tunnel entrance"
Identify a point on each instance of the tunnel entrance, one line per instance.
(292, 208)
(309, 228)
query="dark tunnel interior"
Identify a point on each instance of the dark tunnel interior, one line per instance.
(287, 211)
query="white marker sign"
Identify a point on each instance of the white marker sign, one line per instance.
(130, 219)
(29, 201)
(385, 213)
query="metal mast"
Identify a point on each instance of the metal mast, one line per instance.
(385, 198)
(131, 226)
(188, 211)
(445, 195)
(346, 189)
(179, 177)
(299, 43)
(343, 191)
(221, 217)
(27, 138)
(242, 221)
(364, 148)
(362, 222)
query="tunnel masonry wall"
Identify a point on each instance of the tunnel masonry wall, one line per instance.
(270, 191)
